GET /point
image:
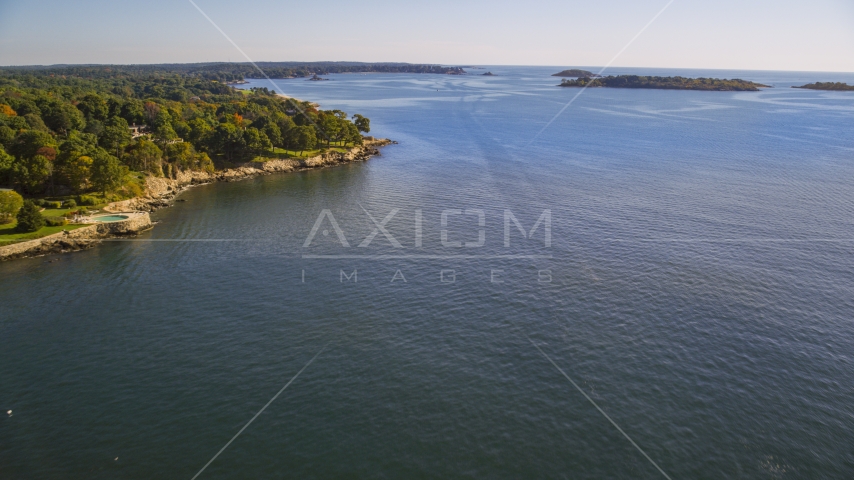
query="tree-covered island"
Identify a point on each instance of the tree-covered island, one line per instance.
(837, 86)
(575, 73)
(665, 83)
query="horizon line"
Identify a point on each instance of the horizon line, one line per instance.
(457, 65)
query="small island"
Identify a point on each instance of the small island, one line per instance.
(575, 73)
(488, 74)
(837, 87)
(665, 83)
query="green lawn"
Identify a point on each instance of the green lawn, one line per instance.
(282, 153)
(9, 235)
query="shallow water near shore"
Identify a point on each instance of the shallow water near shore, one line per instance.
(698, 286)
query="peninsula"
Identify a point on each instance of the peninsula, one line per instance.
(84, 140)
(665, 83)
(575, 73)
(838, 86)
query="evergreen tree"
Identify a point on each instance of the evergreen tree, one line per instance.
(30, 218)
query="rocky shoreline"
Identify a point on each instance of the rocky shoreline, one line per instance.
(161, 192)
(79, 239)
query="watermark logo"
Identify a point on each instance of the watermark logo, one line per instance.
(326, 224)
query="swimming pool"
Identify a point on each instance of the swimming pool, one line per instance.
(110, 218)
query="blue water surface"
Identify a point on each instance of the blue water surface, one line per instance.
(690, 314)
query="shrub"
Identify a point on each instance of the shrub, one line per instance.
(29, 218)
(55, 221)
(10, 203)
(69, 203)
(53, 204)
(88, 200)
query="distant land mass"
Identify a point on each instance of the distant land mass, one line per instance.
(664, 83)
(574, 72)
(230, 72)
(488, 74)
(838, 86)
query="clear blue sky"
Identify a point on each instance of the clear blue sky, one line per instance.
(743, 34)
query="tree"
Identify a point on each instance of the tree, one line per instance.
(78, 172)
(94, 107)
(10, 203)
(107, 172)
(6, 163)
(329, 126)
(353, 134)
(35, 122)
(285, 124)
(199, 129)
(28, 142)
(204, 163)
(7, 135)
(256, 141)
(63, 117)
(145, 156)
(116, 135)
(29, 217)
(7, 110)
(305, 138)
(226, 139)
(31, 173)
(362, 123)
(133, 112)
(272, 131)
(180, 154)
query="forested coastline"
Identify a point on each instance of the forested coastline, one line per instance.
(231, 72)
(63, 135)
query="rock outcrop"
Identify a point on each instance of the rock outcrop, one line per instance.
(79, 239)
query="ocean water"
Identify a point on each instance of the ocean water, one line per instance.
(689, 313)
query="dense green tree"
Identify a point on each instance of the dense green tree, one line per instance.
(10, 203)
(362, 123)
(107, 172)
(329, 126)
(116, 135)
(133, 112)
(63, 117)
(93, 106)
(78, 173)
(272, 131)
(32, 173)
(227, 140)
(354, 136)
(29, 217)
(28, 142)
(18, 123)
(256, 141)
(35, 122)
(6, 164)
(7, 135)
(75, 145)
(199, 130)
(180, 154)
(306, 139)
(145, 156)
(95, 127)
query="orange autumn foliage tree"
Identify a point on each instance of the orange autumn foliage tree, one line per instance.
(7, 110)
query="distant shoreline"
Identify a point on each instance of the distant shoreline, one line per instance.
(665, 83)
